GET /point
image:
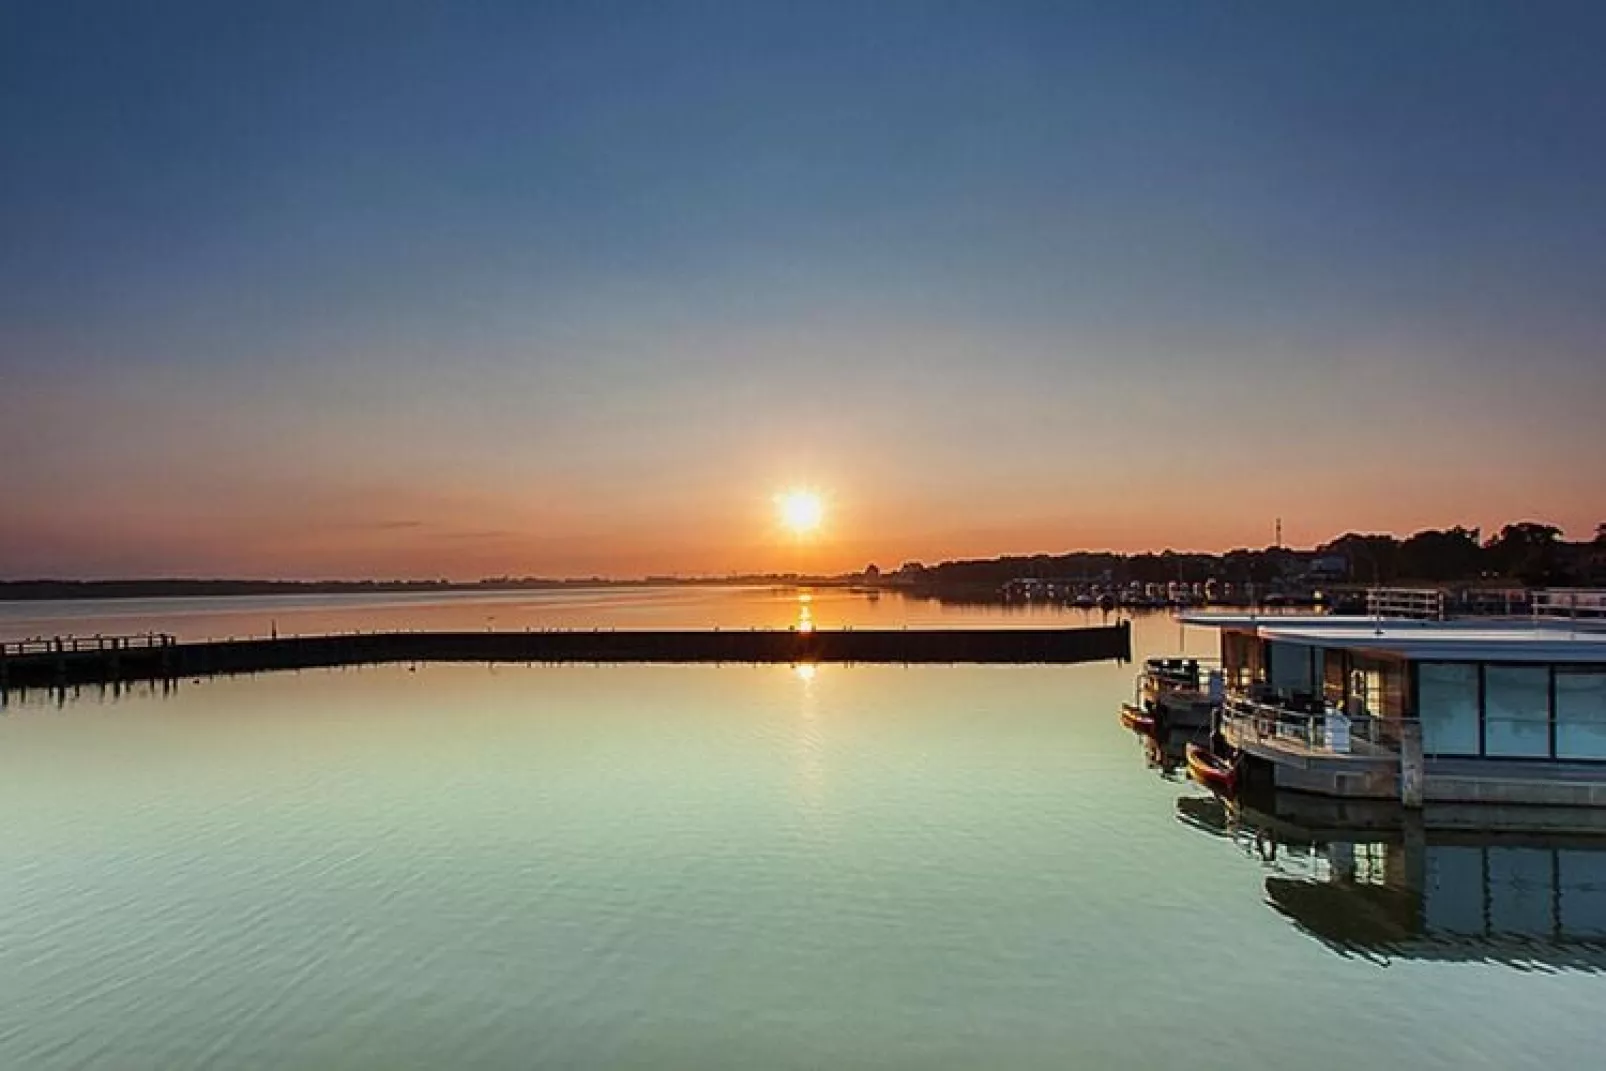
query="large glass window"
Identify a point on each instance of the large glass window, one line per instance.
(1516, 711)
(1381, 683)
(1240, 653)
(1366, 689)
(1448, 703)
(1290, 667)
(1580, 714)
(1333, 677)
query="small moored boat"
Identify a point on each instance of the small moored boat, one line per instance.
(1136, 718)
(1211, 770)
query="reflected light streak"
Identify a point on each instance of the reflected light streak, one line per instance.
(810, 752)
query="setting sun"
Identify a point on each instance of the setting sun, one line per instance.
(801, 511)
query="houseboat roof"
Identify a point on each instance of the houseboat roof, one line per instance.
(1470, 639)
(1214, 619)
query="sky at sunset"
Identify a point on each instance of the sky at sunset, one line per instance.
(467, 289)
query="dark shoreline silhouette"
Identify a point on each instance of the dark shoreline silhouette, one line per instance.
(1526, 552)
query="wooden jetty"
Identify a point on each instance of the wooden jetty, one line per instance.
(104, 659)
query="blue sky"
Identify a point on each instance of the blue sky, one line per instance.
(389, 288)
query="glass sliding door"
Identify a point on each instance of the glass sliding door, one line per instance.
(1241, 659)
(1333, 677)
(1382, 684)
(1447, 700)
(1516, 711)
(1290, 669)
(1580, 714)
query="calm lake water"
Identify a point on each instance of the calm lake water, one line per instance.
(698, 866)
(624, 607)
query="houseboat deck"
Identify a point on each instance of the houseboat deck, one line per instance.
(1527, 781)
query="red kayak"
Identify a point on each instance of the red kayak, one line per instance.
(1136, 718)
(1211, 770)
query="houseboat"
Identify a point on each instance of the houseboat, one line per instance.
(1420, 708)
(1180, 693)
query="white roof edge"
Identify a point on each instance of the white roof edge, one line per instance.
(1208, 619)
(1466, 639)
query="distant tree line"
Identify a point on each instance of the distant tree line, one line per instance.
(1525, 552)
(1529, 552)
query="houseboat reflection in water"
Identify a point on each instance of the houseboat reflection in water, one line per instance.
(1524, 886)
(1176, 753)
(1165, 753)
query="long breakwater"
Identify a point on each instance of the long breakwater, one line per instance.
(88, 660)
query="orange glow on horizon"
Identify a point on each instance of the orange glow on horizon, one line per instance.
(710, 527)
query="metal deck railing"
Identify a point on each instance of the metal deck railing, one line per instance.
(1421, 604)
(1186, 673)
(1323, 731)
(1569, 603)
